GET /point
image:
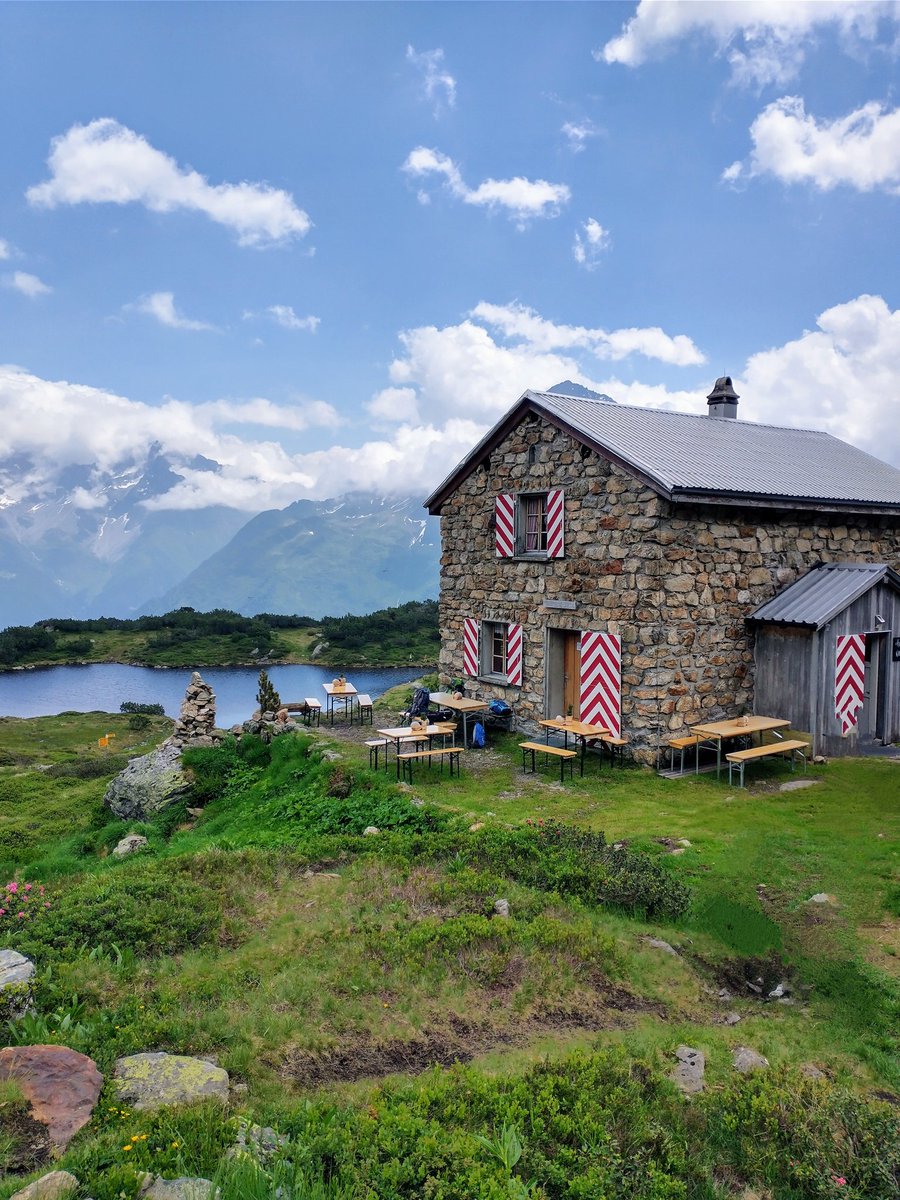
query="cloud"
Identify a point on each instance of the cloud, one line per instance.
(161, 306)
(439, 84)
(395, 404)
(578, 134)
(524, 324)
(522, 198)
(764, 40)
(860, 150)
(590, 242)
(5, 249)
(28, 285)
(284, 315)
(106, 163)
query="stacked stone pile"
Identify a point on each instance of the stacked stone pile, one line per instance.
(268, 724)
(196, 726)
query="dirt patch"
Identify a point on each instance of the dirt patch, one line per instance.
(459, 1042)
(756, 977)
(29, 1139)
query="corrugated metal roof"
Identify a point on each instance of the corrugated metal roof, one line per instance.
(684, 452)
(822, 593)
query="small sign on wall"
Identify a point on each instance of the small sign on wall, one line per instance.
(896, 654)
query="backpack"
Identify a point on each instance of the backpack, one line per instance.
(478, 736)
(499, 708)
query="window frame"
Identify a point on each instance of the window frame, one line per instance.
(490, 632)
(521, 526)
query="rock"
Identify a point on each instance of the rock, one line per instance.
(745, 1059)
(501, 908)
(659, 944)
(256, 1141)
(148, 1081)
(130, 844)
(688, 1075)
(684, 842)
(196, 724)
(417, 801)
(822, 898)
(820, 760)
(779, 990)
(677, 850)
(182, 1188)
(371, 831)
(148, 784)
(796, 785)
(732, 1018)
(48, 1187)
(61, 1085)
(16, 972)
(811, 1071)
(478, 825)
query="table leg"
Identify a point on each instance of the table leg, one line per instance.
(583, 746)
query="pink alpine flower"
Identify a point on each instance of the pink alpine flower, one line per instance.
(12, 888)
(20, 915)
(838, 1180)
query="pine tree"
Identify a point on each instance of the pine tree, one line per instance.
(267, 698)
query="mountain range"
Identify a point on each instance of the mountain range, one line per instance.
(84, 543)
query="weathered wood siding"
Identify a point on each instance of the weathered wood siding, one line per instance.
(786, 677)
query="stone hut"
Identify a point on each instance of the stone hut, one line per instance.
(602, 560)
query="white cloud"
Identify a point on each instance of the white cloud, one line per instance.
(284, 315)
(764, 40)
(578, 134)
(522, 198)
(398, 404)
(5, 249)
(591, 240)
(106, 163)
(161, 306)
(524, 324)
(439, 84)
(861, 150)
(28, 285)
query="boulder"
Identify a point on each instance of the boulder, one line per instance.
(129, 844)
(659, 944)
(61, 1085)
(745, 1059)
(49, 1187)
(183, 1188)
(149, 1081)
(16, 973)
(688, 1074)
(501, 908)
(148, 784)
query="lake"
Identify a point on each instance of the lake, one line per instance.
(103, 686)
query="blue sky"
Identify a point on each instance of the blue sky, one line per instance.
(329, 244)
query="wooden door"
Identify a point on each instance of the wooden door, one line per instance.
(572, 674)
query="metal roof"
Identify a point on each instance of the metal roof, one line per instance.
(687, 452)
(822, 593)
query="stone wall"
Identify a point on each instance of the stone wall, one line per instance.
(674, 582)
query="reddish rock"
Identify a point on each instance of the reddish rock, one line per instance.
(61, 1085)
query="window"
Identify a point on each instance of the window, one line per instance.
(494, 648)
(533, 524)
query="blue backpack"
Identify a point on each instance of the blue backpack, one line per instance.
(478, 736)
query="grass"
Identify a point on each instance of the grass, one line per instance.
(325, 969)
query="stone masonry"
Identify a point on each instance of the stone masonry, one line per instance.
(675, 582)
(196, 724)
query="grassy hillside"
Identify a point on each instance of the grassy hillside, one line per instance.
(338, 977)
(185, 638)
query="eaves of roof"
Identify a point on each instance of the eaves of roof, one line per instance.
(822, 593)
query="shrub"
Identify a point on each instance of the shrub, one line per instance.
(147, 710)
(21, 903)
(139, 721)
(267, 698)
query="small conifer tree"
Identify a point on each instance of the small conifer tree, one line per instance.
(267, 698)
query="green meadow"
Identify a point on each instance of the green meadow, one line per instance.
(406, 1040)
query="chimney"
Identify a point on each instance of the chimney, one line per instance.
(722, 400)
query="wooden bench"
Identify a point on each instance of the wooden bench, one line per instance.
(450, 753)
(682, 744)
(738, 758)
(376, 745)
(365, 709)
(615, 746)
(534, 748)
(313, 711)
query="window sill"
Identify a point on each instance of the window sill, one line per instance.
(502, 680)
(532, 556)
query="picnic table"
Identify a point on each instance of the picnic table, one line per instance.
(339, 694)
(398, 734)
(721, 731)
(462, 705)
(580, 730)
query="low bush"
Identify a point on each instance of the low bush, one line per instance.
(140, 709)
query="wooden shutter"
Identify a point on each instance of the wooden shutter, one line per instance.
(505, 525)
(849, 679)
(470, 647)
(555, 523)
(601, 680)
(514, 655)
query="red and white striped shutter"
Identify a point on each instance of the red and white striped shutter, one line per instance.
(601, 680)
(514, 655)
(505, 522)
(849, 678)
(470, 646)
(555, 522)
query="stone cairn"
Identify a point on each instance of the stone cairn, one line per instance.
(196, 725)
